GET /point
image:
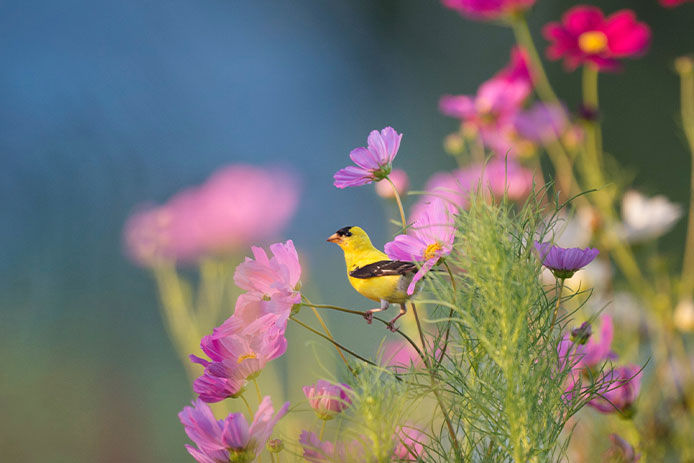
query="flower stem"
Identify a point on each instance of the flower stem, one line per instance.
(332, 341)
(332, 307)
(257, 391)
(322, 430)
(248, 407)
(687, 111)
(399, 201)
(425, 359)
(525, 40)
(560, 288)
(327, 331)
(450, 315)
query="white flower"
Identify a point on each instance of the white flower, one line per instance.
(647, 218)
(684, 316)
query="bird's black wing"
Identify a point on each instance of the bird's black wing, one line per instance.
(383, 268)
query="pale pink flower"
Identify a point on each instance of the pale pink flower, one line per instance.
(409, 444)
(488, 9)
(230, 439)
(619, 389)
(317, 451)
(428, 240)
(400, 356)
(399, 179)
(236, 205)
(328, 399)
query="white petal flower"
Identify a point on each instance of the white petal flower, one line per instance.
(647, 218)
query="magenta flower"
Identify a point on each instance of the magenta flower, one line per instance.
(399, 179)
(542, 123)
(673, 3)
(230, 439)
(238, 351)
(491, 111)
(591, 354)
(619, 390)
(586, 36)
(327, 399)
(374, 162)
(317, 451)
(199, 221)
(409, 444)
(488, 9)
(428, 239)
(272, 284)
(564, 262)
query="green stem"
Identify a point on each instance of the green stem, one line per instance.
(560, 288)
(333, 342)
(322, 430)
(248, 407)
(687, 112)
(399, 201)
(525, 40)
(257, 391)
(330, 335)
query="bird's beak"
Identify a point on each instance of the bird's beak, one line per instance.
(334, 238)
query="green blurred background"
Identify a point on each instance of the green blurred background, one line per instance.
(107, 104)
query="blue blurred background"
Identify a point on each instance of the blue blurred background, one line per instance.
(106, 104)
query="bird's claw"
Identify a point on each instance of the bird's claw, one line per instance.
(391, 327)
(369, 317)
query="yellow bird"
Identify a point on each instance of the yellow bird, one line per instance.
(372, 273)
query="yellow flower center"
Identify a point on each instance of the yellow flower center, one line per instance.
(592, 42)
(431, 250)
(246, 357)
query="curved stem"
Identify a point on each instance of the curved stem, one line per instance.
(399, 201)
(248, 407)
(450, 315)
(322, 430)
(333, 307)
(330, 335)
(425, 359)
(257, 391)
(560, 288)
(333, 342)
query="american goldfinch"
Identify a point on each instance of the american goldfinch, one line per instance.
(372, 273)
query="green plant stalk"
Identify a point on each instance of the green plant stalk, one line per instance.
(687, 114)
(399, 201)
(330, 335)
(560, 288)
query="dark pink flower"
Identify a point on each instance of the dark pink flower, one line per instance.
(238, 351)
(428, 239)
(564, 262)
(399, 179)
(272, 284)
(488, 9)
(236, 205)
(409, 444)
(491, 111)
(230, 439)
(673, 3)
(619, 389)
(586, 36)
(327, 399)
(374, 162)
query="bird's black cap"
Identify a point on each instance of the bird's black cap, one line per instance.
(344, 231)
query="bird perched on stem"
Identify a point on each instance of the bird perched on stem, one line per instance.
(373, 274)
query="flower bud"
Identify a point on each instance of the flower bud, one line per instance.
(274, 445)
(327, 399)
(454, 144)
(581, 334)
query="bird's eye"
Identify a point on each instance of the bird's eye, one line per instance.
(344, 231)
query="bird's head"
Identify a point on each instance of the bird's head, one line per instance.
(351, 238)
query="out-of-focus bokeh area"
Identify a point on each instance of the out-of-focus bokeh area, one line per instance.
(106, 105)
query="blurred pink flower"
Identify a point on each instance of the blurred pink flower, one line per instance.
(238, 351)
(498, 176)
(586, 36)
(491, 111)
(374, 162)
(673, 3)
(428, 239)
(236, 205)
(488, 9)
(593, 352)
(327, 399)
(621, 450)
(541, 123)
(272, 284)
(230, 439)
(399, 179)
(400, 355)
(619, 390)
(409, 444)
(317, 451)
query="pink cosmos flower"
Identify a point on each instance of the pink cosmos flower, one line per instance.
(374, 162)
(542, 123)
(619, 390)
(272, 284)
(564, 262)
(400, 356)
(428, 240)
(328, 399)
(586, 36)
(399, 179)
(236, 205)
(238, 351)
(591, 354)
(317, 451)
(488, 9)
(673, 3)
(491, 111)
(230, 439)
(409, 444)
